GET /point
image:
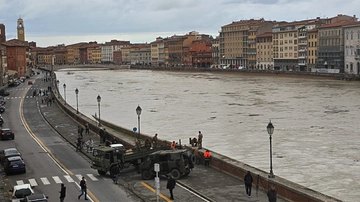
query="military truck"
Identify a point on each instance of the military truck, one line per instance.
(177, 163)
(105, 158)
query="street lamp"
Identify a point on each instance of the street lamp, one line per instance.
(77, 100)
(64, 92)
(270, 130)
(138, 112)
(99, 100)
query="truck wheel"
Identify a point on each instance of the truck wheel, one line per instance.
(146, 175)
(192, 161)
(101, 172)
(175, 173)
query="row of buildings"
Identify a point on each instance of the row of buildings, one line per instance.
(320, 44)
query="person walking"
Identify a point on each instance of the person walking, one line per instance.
(87, 132)
(104, 136)
(78, 144)
(83, 188)
(173, 145)
(171, 185)
(199, 140)
(116, 174)
(62, 193)
(272, 194)
(101, 134)
(154, 140)
(207, 156)
(248, 179)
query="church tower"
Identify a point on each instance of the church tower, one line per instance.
(20, 30)
(2, 33)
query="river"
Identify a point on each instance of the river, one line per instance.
(316, 137)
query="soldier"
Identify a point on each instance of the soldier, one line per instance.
(147, 143)
(154, 140)
(199, 141)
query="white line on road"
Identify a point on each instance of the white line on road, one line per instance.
(92, 177)
(33, 182)
(68, 178)
(45, 180)
(57, 179)
(79, 177)
(19, 182)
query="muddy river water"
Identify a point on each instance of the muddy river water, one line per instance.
(316, 138)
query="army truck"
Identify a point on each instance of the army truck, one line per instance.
(177, 163)
(106, 158)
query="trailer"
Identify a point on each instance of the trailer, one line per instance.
(105, 159)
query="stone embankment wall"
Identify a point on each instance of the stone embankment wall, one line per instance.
(288, 190)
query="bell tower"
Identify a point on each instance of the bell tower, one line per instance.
(20, 30)
(2, 33)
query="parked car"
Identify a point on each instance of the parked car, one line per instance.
(6, 133)
(14, 164)
(19, 192)
(2, 109)
(30, 82)
(4, 92)
(9, 152)
(1, 120)
(36, 198)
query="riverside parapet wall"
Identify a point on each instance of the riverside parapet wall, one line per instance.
(285, 189)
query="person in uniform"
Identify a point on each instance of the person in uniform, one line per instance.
(199, 140)
(171, 185)
(154, 140)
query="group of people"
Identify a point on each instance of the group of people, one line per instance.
(248, 180)
(83, 190)
(80, 142)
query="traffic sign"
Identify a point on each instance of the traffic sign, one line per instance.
(134, 129)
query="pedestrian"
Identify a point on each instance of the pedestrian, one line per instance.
(272, 194)
(87, 132)
(138, 144)
(83, 188)
(199, 140)
(171, 185)
(207, 156)
(89, 145)
(114, 141)
(147, 143)
(78, 144)
(104, 136)
(173, 145)
(116, 174)
(154, 140)
(101, 134)
(79, 131)
(248, 179)
(197, 156)
(62, 193)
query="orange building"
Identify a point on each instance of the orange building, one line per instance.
(16, 57)
(201, 53)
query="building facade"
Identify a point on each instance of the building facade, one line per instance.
(352, 49)
(264, 47)
(20, 30)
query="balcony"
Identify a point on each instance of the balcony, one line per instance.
(303, 43)
(302, 36)
(303, 50)
(302, 63)
(302, 57)
(357, 57)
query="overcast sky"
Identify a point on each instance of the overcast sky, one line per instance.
(51, 22)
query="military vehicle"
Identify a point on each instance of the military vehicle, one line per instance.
(177, 163)
(105, 158)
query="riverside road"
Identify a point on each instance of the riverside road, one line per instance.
(315, 142)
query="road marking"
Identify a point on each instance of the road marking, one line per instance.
(33, 182)
(79, 177)
(92, 177)
(45, 181)
(153, 190)
(19, 182)
(57, 179)
(68, 178)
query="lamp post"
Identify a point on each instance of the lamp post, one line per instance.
(270, 130)
(64, 92)
(99, 100)
(138, 112)
(77, 100)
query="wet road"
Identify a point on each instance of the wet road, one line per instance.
(315, 142)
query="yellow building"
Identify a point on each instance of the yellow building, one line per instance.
(264, 47)
(73, 53)
(238, 41)
(312, 48)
